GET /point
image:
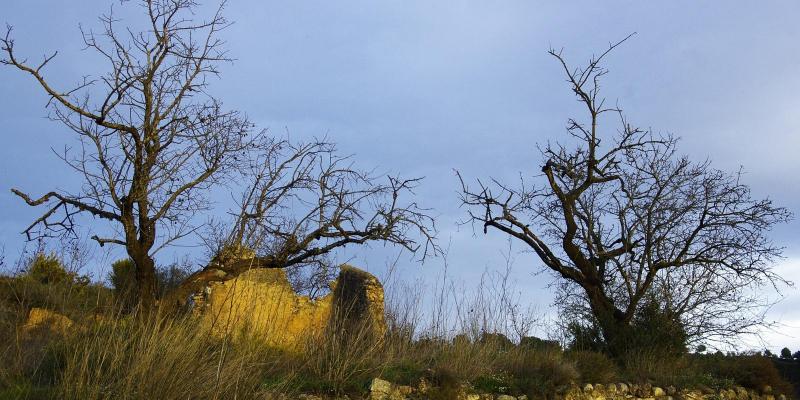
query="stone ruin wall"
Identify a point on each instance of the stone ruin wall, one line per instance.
(262, 303)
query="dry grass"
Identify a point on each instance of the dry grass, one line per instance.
(121, 356)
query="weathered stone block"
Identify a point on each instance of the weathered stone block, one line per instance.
(262, 303)
(43, 320)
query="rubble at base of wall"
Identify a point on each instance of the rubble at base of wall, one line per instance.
(384, 390)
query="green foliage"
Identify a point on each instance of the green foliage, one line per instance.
(538, 373)
(123, 279)
(404, 372)
(535, 343)
(496, 339)
(654, 329)
(786, 353)
(585, 336)
(593, 366)
(48, 269)
(170, 277)
(495, 383)
(45, 283)
(445, 384)
(658, 330)
(751, 371)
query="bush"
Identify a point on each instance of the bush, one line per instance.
(657, 330)
(538, 373)
(123, 279)
(593, 367)
(654, 329)
(46, 269)
(45, 283)
(751, 371)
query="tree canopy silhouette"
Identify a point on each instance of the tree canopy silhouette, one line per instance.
(154, 142)
(623, 218)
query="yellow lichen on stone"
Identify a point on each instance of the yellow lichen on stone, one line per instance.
(261, 303)
(42, 319)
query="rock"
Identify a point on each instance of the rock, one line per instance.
(623, 388)
(611, 388)
(782, 397)
(599, 387)
(308, 397)
(472, 397)
(646, 390)
(423, 386)
(588, 388)
(380, 389)
(705, 389)
(766, 389)
(403, 390)
(358, 301)
(658, 392)
(505, 397)
(43, 320)
(671, 390)
(692, 395)
(523, 397)
(264, 302)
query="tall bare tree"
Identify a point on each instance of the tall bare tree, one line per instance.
(622, 217)
(153, 141)
(302, 202)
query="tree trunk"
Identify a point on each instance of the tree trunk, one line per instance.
(145, 279)
(614, 326)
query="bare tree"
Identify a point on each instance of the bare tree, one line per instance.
(153, 141)
(303, 202)
(151, 138)
(630, 218)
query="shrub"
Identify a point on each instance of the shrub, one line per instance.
(751, 371)
(123, 280)
(539, 373)
(593, 367)
(642, 365)
(45, 283)
(47, 268)
(658, 330)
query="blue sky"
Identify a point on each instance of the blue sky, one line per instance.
(425, 87)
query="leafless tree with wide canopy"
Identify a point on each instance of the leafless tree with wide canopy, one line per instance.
(622, 217)
(154, 142)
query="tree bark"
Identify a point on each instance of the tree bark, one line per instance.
(146, 282)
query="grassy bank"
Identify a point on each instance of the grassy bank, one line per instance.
(110, 352)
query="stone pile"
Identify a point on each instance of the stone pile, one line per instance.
(384, 390)
(628, 391)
